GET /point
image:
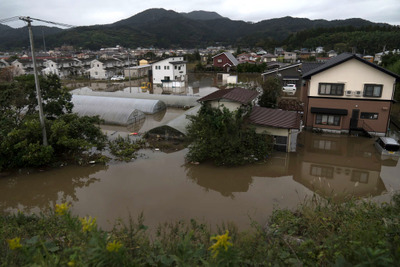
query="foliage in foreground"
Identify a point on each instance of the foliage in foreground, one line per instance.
(318, 233)
(225, 138)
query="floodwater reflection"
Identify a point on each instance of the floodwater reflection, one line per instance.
(37, 191)
(165, 188)
(338, 166)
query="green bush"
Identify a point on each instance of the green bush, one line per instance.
(223, 137)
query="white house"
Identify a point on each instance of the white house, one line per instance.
(104, 69)
(169, 70)
(51, 67)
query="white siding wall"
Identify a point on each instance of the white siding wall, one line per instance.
(163, 68)
(232, 106)
(354, 74)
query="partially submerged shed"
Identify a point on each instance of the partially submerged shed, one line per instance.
(284, 125)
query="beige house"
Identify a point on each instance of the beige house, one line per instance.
(348, 93)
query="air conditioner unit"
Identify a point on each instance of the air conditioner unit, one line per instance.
(358, 93)
(348, 92)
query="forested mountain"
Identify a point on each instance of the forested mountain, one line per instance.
(168, 29)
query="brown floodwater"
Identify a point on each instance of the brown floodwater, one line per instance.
(164, 188)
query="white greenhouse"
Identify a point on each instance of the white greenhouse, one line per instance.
(116, 110)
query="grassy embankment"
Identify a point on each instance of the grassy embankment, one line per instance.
(318, 233)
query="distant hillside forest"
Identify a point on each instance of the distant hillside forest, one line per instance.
(162, 28)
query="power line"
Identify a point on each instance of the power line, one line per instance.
(35, 72)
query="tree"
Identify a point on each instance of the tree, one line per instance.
(272, 90)
(225, 138)
(70, 136)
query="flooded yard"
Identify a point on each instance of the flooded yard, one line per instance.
(164, 188)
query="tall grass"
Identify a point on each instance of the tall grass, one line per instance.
(318, 233)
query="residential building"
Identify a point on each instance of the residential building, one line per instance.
(137, 71)
(289, 74)
(348, 93)
(245, 58)
(289, 57)
(225, 61)
(268, 58)
(63, 68)
(232, 98)
(319, 49)
(172, 69)
(283, 125)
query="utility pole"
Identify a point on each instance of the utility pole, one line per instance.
(38, 92)
(129, 70)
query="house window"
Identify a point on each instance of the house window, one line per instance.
(359, 176)
(325, 145)
(176, 67)
(219, 60)
(373, 90)
(330, 89)
(321, 171)
(369, 116)
(327, 119)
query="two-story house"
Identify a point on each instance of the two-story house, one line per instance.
(289, 57)
(168, 70)
(105, 68)
(63, 67)
(348, 93)
(225, 61)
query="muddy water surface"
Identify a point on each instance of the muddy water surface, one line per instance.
(164, 188)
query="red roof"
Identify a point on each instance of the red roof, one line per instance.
(275, 118)
(241, 95)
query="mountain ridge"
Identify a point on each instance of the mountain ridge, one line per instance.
(166, 28)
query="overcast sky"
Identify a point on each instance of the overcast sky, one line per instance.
(91, 12)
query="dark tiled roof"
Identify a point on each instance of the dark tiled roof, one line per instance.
(237, 94)
(275, 118)
(308, 66)
(341, 59)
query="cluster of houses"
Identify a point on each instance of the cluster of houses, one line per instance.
(280, 57)
(342, 95)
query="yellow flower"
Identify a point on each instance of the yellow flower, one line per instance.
(113, 246)
(71, 263)
(88, 224)
(222, 242)
(62, 209)
(14, 243)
